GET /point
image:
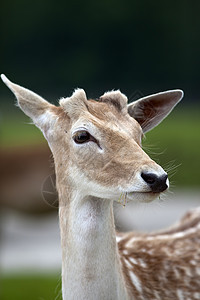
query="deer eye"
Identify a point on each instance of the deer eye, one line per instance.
(81, 137)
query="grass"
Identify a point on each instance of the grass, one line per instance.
(30, 287)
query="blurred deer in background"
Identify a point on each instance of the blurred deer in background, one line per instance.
(98, 159)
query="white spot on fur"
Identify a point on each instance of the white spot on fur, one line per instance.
(176, 272)
(156, 295)
(133, 260)
(143, 250)
(128, 263)
(196, 295)
(180, 294)
(198, 271)
(142, 263)
(130, 242)
(135, 281)
(188, 272)
(193, 262)
(119, 238)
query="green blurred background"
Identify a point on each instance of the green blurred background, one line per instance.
(140, 47)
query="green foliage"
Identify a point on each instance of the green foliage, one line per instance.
(30, 287)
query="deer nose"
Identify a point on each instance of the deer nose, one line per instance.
(157, 183)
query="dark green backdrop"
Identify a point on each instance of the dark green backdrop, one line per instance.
(147, 46)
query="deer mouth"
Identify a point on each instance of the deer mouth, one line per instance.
(147, 196)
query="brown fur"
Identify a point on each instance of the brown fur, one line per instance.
(167, 263)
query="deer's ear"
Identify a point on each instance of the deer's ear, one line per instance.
(151, 110)
(34, 106)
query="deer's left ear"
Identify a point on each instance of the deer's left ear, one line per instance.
(151, 110)
(34, 106)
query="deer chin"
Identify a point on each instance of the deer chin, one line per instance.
(142, 196)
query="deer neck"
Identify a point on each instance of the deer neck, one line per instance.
(90, 262)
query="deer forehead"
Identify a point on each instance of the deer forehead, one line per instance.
(107, 124)
(106, 116)
(111, 107)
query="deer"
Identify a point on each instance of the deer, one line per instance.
(98, 157)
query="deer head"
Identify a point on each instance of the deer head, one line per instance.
(97, 144)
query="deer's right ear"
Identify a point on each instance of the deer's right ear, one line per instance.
(34, 106)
